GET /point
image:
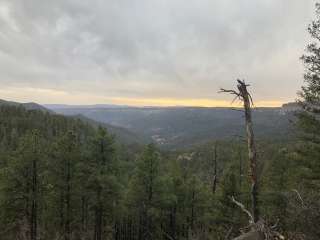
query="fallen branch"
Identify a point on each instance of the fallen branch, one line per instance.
(274, 226)
(257, 229)
(300, 198)
(239, 204)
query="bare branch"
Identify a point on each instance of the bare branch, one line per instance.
(274, 226)
(235, 98)
(300, 198)
(250, 97)
(166, 234)
(233, 92)
(251, 220)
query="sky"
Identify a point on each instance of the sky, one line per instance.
(151, 52)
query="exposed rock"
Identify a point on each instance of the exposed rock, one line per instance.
(252, 235)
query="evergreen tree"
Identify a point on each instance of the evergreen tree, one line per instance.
(310, 98)
(103, 182)
(65, 155)
(146, 191)
(308, 149)
(21, 196)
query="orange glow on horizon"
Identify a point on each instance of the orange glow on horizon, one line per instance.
(50, 96)
(171, 102)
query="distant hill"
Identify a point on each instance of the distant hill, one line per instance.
(66, 106)
(28, 106)
(176, 127)
(123, 135)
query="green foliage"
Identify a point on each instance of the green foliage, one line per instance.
(22, 184)
(91, 187)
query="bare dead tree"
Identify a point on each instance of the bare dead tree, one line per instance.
(258, 228)
(244, 96)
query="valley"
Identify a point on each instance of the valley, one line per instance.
(182, 127)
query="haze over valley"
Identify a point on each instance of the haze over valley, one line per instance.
(174, 127)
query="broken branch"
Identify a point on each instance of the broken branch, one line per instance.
(251, 220)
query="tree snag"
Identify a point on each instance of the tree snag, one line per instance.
(35, 188)
(215, 177)
(244, 96)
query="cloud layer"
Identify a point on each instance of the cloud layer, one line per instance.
(150, 49)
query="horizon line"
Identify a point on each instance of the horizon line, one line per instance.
(50, 96)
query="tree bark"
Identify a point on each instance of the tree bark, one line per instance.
(251, 148)
(67, 225)
(215, 178)
(98, 219)
(240, 168)
(34, 201)
(245, 97)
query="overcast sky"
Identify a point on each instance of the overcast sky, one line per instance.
(151, 52)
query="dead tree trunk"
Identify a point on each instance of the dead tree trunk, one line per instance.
(251, 149)
(215, 178)
(98, 216)
(240, 168)
(68, 207)
(246, 99)
(34, 202)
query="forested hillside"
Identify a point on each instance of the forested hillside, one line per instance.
(62, 178)
(122, 134)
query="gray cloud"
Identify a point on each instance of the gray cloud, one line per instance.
(154, 48)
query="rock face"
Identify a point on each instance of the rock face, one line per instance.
(253, 235)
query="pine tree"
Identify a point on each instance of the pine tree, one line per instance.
(309, 118)
(308, 149)
(21, 187)
(146, 191)
(65, 154)
(102, 181)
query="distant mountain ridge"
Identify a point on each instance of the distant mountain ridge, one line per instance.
(66, 106)
(176, 127)
(28, 105)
